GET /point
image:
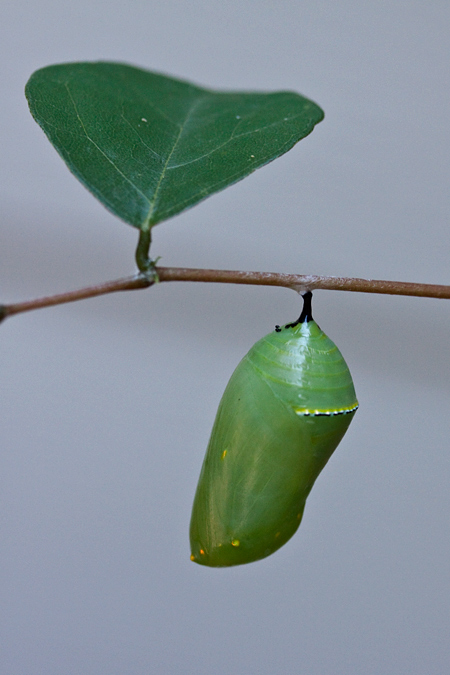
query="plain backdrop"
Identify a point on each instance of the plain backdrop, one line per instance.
(107, 405)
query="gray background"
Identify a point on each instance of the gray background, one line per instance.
(107, 405)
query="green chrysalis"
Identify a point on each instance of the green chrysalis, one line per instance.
(284, 411)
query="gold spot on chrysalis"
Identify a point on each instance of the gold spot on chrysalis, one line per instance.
(202, 552)
(235, 542)
(192, 557)
(299, 515)
(224, 454)
(277, 534)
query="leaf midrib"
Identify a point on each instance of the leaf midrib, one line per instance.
(147, 222)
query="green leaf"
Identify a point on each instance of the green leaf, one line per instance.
(149, 146)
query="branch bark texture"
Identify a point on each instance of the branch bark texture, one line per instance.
(298, 282)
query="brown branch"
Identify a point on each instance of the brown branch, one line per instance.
(126, 284)
(304, 283)
(298, 282)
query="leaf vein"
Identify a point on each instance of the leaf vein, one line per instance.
(233, 137)
(140, 138)
(166, 164)
(102, 152)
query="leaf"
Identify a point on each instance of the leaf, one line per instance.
(149, 146)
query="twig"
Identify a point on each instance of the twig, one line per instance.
(297, 282)
(302, 283)
(126, 284)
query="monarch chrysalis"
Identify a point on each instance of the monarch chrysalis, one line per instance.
(284, 411)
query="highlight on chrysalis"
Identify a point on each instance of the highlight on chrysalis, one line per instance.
(283, 413)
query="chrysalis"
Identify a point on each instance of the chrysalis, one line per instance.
(284, 411)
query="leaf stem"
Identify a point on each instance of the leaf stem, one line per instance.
(145, 264)
(298, 282)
